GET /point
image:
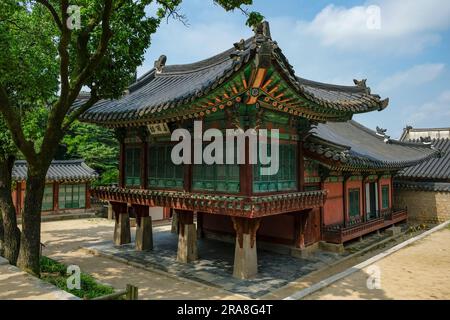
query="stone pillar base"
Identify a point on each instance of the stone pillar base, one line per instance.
(122, 233)
(144, 234)
(245, 258)
(331, 247)
(393, 231)
(187, 244)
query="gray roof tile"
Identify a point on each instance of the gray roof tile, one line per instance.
(356, 146)
(60, 170)
(436, 169)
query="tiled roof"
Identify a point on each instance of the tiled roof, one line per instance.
(60, 170)
(422, 185)
(436, 169)
(352, 146)
(167, 89)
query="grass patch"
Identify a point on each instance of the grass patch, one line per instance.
(56, 273)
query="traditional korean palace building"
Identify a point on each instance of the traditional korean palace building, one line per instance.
(425, 187)
(335, 178)
(67, 188)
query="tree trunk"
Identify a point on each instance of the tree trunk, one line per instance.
(2, 236)
(30, 243)
(11, 231)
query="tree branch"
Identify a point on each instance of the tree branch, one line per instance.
(173, 12)
(14, 125)
(94, 60)
(78, 111)
(53, 12)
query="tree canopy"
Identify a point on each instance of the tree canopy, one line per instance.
(47, 57)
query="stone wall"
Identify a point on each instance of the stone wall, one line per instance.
(424, 206)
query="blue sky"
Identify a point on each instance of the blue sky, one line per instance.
(407, 59)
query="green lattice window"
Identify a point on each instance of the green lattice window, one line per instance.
(385, 196)
(72, 196)
(216, 177)
(133, 167)
(47, 200)
(353, 202)
(162, 172)
(286, 177)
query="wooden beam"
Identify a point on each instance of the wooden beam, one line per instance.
(257, 82)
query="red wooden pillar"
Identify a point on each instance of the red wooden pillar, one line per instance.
(380, 201)
(122, 165)
(391, 193)
(345, 199)
(246, 172)
(364, 213)
(144, 165)
(301, 167)
(301, 219)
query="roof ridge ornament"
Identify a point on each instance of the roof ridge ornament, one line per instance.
(160, 63)
(382, 133)
(426, 140)
(240, 46)
(262, 29)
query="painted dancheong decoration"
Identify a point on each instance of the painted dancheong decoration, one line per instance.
(335, 178)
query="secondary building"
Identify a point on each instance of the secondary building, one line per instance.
(425, 188)
(67, 186)
(334, 181)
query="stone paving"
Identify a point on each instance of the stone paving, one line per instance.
(18, 285)
(215, 264)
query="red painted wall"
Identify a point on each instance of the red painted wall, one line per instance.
(333, 208)
(278, 229)
(218, 223)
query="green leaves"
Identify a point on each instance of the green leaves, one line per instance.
(254, 18)
(97, 146)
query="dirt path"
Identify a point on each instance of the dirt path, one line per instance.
(63, 240)
(419, 271)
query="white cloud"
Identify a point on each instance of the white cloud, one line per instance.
(412, 77)
(434, 113)
(405, 26)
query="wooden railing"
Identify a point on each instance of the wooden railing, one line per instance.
(358, 226)
(235, 205)
(130, 293)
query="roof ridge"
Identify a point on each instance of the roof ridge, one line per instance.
(393, 141)
(324, 85)
(205, 63)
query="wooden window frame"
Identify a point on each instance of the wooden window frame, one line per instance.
(351, 205)
(136, 166)
(46, 205)
(177, 177)
(383, 198)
